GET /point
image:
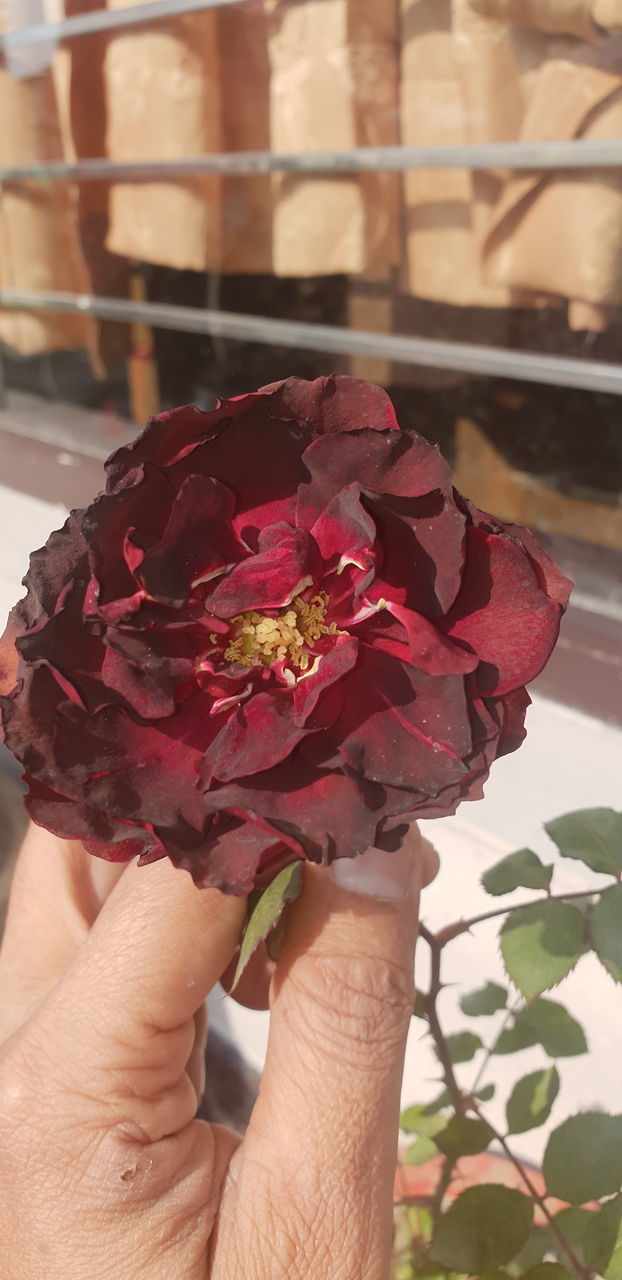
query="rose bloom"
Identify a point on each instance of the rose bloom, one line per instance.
(280, 633)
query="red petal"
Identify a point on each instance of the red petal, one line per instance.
(102, 833)
(60, 562)
(198, 541)
(287, 562)
(260, 734)
(174, 435)
(418, 642)
(140, 772)
(514, 706)
(259, 459)
(403, 728)
(388, 462)
(335, 403)
(265, 730)
(422, 541)
(145, 506)
(345, 533)
(502, 613)
(150, 699)
(550, 578)
(322, 810)
(228, 855)
(333, 666)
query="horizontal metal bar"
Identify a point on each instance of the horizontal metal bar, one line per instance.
(462, 357)
(84, 24)
(575, 154)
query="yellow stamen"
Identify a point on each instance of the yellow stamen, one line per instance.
(259, 638)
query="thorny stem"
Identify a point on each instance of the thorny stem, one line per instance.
(440, 1042)
(465, 1102)
(452, 931)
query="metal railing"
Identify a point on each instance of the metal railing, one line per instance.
(84, 24)
(575, 154)
(462, 357)
(457, 356)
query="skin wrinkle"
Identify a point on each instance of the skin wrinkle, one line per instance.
(313, 1230)
(307, 1193)
(381, 1020)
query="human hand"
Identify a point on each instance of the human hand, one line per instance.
(104, 1171)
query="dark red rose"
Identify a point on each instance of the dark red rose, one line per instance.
(279, 633)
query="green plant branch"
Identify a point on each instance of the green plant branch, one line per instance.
(583, 1273)
(463, 1102)
(510, 1012)
(452, 931)
(441, 1187)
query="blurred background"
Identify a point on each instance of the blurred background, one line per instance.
(198, 198)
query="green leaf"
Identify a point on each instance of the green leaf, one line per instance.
(486, 1093)
(605, 930)
(264, 911)
(419, 1007)
(443, 1099)
(573, 1224)
(560, 1035)
(603, 1240)
(421, 1151)
(486, 1000)
(464, 1136)
(532, 1251)
(531, 1100)
(523, 869)
(463, 1046)
(548, 1271)
(418, 1119)
(594, 836)
(420, 1222)
(512, 1039)
(540, 944)
(483, 1228)
(583, 1158)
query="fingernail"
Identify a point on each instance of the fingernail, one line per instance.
(376, 873)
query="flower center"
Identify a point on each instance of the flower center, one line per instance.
(290, 636)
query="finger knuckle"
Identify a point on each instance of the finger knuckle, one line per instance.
(358, 1007)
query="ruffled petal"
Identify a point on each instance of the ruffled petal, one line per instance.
(388, 462)
(550, 577)
(427, 535)
(502, 613)
(334, 403)
(287, 562)
(403, 728)
(259, 459)
(346, 535)
(146, 505)
(267, 728)
(229, 854)
(417, 641)
(198, 542)
(321, 810)
(106, 836)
